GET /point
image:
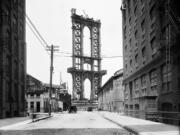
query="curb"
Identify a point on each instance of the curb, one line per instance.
(125, 127)
(41, 118)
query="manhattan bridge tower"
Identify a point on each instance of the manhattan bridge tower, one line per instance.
(83, 66)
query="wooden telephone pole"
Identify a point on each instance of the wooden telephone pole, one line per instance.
(51, 48)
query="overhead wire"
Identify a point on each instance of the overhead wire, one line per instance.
(37, 34)
(34, 27)
(101, 57)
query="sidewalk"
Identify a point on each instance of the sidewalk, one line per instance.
(140, 126)
(8, 123)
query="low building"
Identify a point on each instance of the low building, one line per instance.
(111, 94)
(34, 95)
(35, 101)
(37, 96)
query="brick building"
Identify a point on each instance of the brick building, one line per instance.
(150, 40)
(12, 58)
(111, 94)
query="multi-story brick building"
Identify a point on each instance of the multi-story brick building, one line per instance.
(111, 94)
(150, 39)
(12, 58)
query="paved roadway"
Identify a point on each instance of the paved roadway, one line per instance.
(81, 123)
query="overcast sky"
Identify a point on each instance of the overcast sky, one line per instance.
(53, 20)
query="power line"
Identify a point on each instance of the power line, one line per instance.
(101, 57)
(37, 31)
(36, 36)
(64, 53)
(112, 56)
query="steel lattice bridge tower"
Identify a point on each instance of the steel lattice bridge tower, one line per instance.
(78, 71)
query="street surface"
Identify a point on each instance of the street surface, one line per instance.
(80, 123)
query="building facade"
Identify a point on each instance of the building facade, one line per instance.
(111, 94)
(150, 38)
(35, 95)
(65, 98)
(54, 97)
(12, 58)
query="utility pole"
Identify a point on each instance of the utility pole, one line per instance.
(52, 49)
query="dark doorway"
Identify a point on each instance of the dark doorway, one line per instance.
(38, 107)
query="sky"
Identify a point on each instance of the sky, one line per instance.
(53, 21)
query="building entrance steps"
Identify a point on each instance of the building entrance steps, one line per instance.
(140, 126)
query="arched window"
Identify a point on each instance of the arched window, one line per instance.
(86, 42)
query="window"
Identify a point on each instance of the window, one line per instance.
(124, 13)
(31, 105)
(143, 25)
(153, 46)
(135, 11)
(143, 85)
(129, 20)
(134, 2)
(136, 106)
(143, 81)
(153, 81)
(129, 6)
(152, 12)
(152, 104)
(166, 77)
(125, 48)
(130, 43)
(14, 20)
(124, 32)
(6, 13)
(130, 62)
(136, 60)
(143, 52)
(135, 34)
(153, 77)
(130, 90)
(136, 84)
